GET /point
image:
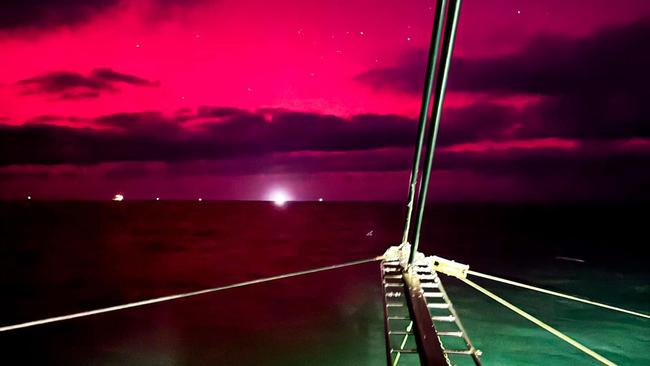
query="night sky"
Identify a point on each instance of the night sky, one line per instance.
(234, 99)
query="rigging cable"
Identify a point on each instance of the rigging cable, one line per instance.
(558, 294)
(539, 323)
(184, 295)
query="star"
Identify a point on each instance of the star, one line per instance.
(137, 45)
(518, 12)
(249, 90)
(361, 33)
(408, 38)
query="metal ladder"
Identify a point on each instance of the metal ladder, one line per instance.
(401, 347)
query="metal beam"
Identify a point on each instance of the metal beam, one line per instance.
(434, 47)
(429, 346)
(451, 24)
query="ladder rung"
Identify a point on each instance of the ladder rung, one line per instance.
(393, 277)
(398, 317)
(433, 294)
(447, 318)
(404, 350)
(399, 332)
(427, 277)
(394, 305)
(393, 284)
(451, 334)
(459, 351)
(390, 280)
(428, 285)
(394, 294)
(438, 305)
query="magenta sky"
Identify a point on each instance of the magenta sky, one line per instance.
(233, 99)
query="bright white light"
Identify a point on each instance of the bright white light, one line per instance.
(29, 197)
(118, 197)
(200, 199)
(157, 198)
(279, 197)
(320, 199)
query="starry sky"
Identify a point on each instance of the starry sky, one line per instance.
(236, 99)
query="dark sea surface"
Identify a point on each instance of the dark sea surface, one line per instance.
(62, 257)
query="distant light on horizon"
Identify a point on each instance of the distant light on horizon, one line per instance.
(320, 199)
(29, 198)
(157, 198)
(279, 197)
(200, 199)
(118, 197)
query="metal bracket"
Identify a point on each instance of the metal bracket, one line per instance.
(401, 253)
(449, 267)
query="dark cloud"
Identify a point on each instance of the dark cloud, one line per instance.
(46, 119)
(609, 59)
(45, 13)
(207, 111)
(151, 136)
(407, 76)
(477, 122)
(284, 142)
(112, 76)
(592, 87)
(73, 85)
(243, 142)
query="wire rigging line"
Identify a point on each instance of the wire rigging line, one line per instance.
(558, 294)
(184, 295)
(540, 323)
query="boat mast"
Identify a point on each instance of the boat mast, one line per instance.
(434, 48)
(440, 77)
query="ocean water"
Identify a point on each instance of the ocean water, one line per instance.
(62, 257)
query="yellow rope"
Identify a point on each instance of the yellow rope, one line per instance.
(540, 323)
(549, 292)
